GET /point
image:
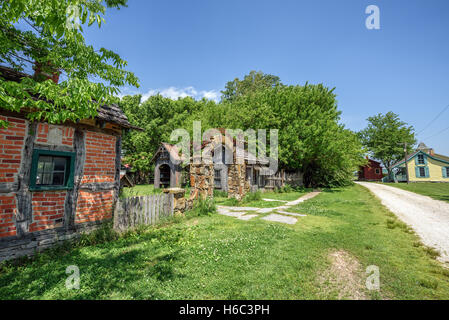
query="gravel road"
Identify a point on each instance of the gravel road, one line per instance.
(428, 217)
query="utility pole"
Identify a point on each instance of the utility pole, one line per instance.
(405, 162)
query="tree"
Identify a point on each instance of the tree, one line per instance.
(158, 116)
(48, 35)
(252, 82)
(311, 138)
(384, 138)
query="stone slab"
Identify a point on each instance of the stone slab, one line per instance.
(292, 213)
(233, 214)
(274, 200)
(247, 217)
(280, 218)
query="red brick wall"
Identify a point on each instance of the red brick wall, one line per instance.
(7, 212)
(11, 144)
(100, 158)
(94, 206)
(48, 210)
(44, 128)
(48, 206)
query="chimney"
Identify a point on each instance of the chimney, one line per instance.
(42, 73)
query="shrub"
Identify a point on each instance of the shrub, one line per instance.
(252, 196)
(202, 207)
(285, 189)
(220, 194)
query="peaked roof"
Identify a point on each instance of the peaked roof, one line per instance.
(434, 156)
(110, 113)
(422, 146)
(171, 149)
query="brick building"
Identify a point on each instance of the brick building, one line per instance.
(56, 180)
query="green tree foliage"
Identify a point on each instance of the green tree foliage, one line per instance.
(49, 34)
(158, 116)
(311, 138)
(384, 138)
(252, 82)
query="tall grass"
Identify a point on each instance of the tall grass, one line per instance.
(202, 207)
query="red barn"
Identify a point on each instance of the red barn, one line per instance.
(371, 172)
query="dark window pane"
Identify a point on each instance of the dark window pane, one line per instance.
(51, 170)
(60, 164)
(58, 179)
(422, 172)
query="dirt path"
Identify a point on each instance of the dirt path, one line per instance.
(428, 217)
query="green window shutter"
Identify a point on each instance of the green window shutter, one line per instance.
(427, 172)
(417, 172)
(444, 170)
(416, 160)
(425, 160)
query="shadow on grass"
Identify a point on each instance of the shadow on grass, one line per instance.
(105, 271)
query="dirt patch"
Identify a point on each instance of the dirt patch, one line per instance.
(344, 279)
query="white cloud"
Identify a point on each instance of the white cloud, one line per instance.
(175, 93)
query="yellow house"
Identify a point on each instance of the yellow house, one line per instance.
(424, 165)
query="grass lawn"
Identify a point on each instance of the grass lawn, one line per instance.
(220, 257)
(290, 196)
(438, 191)
(139, 190)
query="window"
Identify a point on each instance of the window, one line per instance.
(377, 171)
(421, 159)
(447, 172)
(217, 179)
(52, 170)
(422, 171)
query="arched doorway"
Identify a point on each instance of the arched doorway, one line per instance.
(164, 171)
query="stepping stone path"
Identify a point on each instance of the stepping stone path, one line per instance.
(241, 212)
(280, 218)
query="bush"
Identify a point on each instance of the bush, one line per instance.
(220, 194)
(104, 233)
(202, 207)
(285, 189)
(252, 196)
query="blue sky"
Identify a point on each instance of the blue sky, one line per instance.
(194, 47)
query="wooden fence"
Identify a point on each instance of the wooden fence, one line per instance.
(144, 210)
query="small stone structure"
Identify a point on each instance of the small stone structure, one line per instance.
(168, 166)
(180, 203)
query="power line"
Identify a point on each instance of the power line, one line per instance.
(438, 115)
(437, 133)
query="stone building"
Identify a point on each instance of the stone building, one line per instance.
(168, 166)
(56, 180)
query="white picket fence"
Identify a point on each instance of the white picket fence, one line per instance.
(144, 210)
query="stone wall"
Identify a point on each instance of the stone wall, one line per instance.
(238, 186)
(201, 180)
(180, 203)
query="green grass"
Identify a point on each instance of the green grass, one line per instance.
(220, 257)
(438, 191)
(139, 190)
(259, 203)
